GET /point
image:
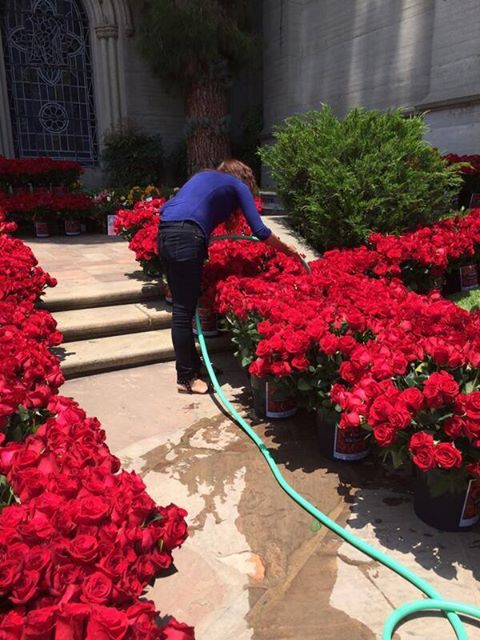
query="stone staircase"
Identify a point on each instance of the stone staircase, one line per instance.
(113, 326)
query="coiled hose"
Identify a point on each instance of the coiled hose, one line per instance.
(433, 602)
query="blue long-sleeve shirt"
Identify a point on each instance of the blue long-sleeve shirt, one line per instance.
(209, 198)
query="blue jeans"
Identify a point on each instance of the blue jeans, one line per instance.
(183, 247)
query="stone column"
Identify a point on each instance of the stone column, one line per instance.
(6, 139)
(110, 101)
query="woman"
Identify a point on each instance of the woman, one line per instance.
(208, 199)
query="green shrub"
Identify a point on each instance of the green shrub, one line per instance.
(371, 171)
(131, 157)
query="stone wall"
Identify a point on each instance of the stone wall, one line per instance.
(417, 54)
(149, 104)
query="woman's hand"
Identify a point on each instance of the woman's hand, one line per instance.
(275, 242)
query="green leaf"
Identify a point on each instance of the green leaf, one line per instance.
(315, 526)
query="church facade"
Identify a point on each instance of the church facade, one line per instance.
(70, 70)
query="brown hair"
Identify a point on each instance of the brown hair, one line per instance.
(241, 171)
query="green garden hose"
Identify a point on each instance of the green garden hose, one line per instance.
(433, 602)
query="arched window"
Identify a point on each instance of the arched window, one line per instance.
(49, 79)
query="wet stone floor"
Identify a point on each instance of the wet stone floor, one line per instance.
(255, 565)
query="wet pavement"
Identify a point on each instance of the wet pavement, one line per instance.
(255, 565)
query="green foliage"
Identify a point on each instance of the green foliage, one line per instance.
(191, 40)
(7, 497)
(468, 300)
(131, 157)
(372, 171)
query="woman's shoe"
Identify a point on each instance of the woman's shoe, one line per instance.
(194, 386)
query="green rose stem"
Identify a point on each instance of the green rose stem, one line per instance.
(434, 601)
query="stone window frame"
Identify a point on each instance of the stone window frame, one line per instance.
(111, 23)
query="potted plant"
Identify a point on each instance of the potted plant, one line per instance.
(431, 419)
(72, 223)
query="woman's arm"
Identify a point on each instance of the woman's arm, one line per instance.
(275, 242)
(261, 231)
(247, 205)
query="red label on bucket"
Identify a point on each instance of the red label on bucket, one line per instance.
(471, 507)
(468, 277)
(350, 444)
(72, 227)
(41, 229)
(208, 318)
(168, 294)
(276, 408)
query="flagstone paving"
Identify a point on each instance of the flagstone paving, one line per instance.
(255, 565)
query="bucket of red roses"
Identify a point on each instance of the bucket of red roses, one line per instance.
(43, 224)
(435, 423)
(340, 436)
(72, 225)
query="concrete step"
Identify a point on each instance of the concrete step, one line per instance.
(96, 322)
(117, 352)
(62, 298)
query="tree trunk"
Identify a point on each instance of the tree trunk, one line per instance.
(208, 140)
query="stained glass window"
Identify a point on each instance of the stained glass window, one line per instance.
(49, 77)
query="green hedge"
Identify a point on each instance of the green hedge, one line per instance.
(371, 171)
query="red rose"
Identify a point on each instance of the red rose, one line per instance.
(399, 417)
(9, 574)
(454, 427)
(471, 430)
(92, 510)
(447, 456)
(384, 434)
(346, 344)
(26, 587)
(107, 623)
(38, 558)
(177, 631)
(380, 411)
(419, 441)
(349, 420)
(97, 588)
(413, 399)
(300, 363)
(84, 548)
(173, 526)
(114, 564)
(281, 369)
(11, 626)
(329, 344)
(58, 576)
(471, 403)
(297, 343)
(440, 388)
(40, 623)
(71, 621)
(347, 372)
(424, 458)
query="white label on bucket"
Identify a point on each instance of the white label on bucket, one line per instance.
(469, 277)
(110, 222)
(471, 506)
